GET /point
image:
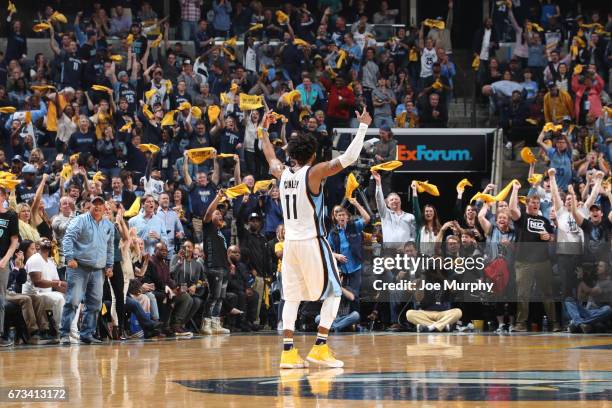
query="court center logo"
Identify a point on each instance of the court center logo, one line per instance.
(419, 386)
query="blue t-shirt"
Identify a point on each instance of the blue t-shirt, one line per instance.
(562, 163)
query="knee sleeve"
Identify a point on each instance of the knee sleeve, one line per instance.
(290, 311)
(329, 310)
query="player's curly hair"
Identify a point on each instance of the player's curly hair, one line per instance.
(302, 147)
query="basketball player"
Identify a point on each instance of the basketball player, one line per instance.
(309, 270)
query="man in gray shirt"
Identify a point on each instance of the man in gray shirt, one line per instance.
(384, 102)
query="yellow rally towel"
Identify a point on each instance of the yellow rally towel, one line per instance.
(255, 27)
(66, 171)
(476, 62)
(430, 22)
(116, 58)
(505, 191)
(551, 127)
(388, 166)
(148, 147)
(147, 112)
(536, 178)
(98, 176)
(101, 88)
(463, 184)
(528, 156)
(40, 27)
(400, 120)
(578, 69)
(250, 102)
(342, 55)
(168, 119)
(290, 97)
(225, 100)
(133, 210)
(150, 93)
(127, 127)
(426, 187)
(278, 116)
(263, 185)
(351, 185)
(522, 200)
(534, 26)
(437, 84)
(129, 39)
(8, 109)
(574, 50)
(237, 191)
(231, 42)
(234, 88)
(229, 53)
(281, 17)
(59, 17)
(596, 26)
(11, 7)
(201, 154)
(42, 88)
(301, 43)
(413, 55)
(196, 112)
(9, 184)
(531, 121)
(213, 112)
(155, 43)
(225, 156)
(487, 198)
(7, 175)
(184, 106)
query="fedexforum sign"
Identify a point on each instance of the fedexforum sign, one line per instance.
(423, 153)
(438, 150)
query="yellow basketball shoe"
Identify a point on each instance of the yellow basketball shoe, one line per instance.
(291, 359)
(322, 355)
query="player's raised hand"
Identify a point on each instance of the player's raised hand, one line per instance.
(364, 117)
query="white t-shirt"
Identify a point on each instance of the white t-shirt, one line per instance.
(486, 41)
(36, 263)
(569, 233)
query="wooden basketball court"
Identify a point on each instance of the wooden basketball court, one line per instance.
(408, 369)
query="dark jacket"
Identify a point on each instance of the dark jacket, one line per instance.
(352, 235)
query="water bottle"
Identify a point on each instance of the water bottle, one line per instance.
(12, 334)
(544, 323)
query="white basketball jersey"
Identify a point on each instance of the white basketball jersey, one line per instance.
(428, 57)
(302, 211)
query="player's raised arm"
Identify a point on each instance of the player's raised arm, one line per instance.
(276, 166)
(329, 168)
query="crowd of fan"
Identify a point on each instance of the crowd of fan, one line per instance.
(122, 115)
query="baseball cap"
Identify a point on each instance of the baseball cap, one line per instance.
(28, 168)
(550, 84)
(17, 158)
(567, 118)
(122, 74)
(595, 206)
(187, 61)
(386, 128)
(254, 215)
(96, 198)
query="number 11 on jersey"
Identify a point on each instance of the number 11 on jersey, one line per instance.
(291, 203)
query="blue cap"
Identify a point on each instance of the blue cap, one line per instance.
(29, 168)
(386, 128)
